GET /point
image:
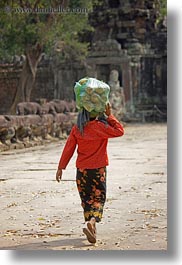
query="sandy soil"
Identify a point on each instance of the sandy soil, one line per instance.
(39, 213)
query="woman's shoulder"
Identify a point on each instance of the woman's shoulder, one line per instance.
(75, 130)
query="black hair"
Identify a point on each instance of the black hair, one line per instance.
(84, 118)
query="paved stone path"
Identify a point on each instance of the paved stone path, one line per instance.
(39, 213)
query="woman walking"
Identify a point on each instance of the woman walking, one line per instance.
(90, 135)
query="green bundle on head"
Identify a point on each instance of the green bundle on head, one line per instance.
(92, 95)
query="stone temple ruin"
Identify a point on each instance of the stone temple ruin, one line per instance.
(130, 45)
(128, 51)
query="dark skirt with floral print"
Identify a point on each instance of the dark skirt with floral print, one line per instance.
(91, 184)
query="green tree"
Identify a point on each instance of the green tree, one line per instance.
(31, 27)
(163, 8)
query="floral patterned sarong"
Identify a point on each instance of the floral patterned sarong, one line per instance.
(91, 184)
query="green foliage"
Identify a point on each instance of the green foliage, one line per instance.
(44, 22)
(163, 8)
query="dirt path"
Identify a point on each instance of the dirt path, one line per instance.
(39, 213)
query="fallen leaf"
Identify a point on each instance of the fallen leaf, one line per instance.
(12, 204)
(41, 219)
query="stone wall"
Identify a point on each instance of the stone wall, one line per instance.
(65, 76)
(44, 83)
(53, 80)
(9, 76)
(36, 124)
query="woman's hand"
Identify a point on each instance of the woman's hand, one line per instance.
(59, 175)
(108, 109)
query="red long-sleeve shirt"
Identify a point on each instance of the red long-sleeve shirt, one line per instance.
(92, 145)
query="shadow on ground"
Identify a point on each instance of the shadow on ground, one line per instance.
(62, 244)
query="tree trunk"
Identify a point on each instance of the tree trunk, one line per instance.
(27, 77)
